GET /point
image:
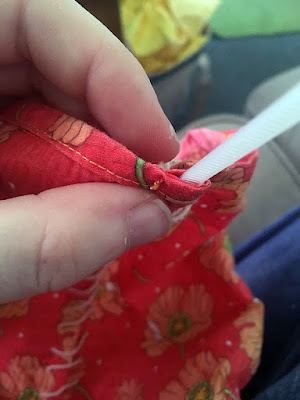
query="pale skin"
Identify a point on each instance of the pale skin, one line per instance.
(58, 51)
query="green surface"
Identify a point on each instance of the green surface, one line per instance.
(227, 244)
(237, 18)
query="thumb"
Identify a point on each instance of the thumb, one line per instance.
(53, 240)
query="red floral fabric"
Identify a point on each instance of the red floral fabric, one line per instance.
(170, 320)
(43, 141)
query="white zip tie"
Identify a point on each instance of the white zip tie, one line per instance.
(276, 119)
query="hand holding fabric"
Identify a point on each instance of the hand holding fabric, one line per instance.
(58, 52)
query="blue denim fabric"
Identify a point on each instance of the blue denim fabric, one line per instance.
(270, 265)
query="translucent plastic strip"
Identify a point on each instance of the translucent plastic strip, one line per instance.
(276, 119)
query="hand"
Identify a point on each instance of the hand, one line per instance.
(57, 50)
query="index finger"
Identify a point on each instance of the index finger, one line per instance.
(82, 59)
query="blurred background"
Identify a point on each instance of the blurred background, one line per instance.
(241, 42)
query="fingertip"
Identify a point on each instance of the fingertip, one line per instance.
(123, 100)
(163, 143)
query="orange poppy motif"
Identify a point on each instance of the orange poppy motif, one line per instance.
(69, 130)
(214, 256)
(177, 316)
(70, 341)
(232, 180)
(107, 295)
(71, 313)
(75, 373)
(130, 390)
(202, 378)
(105, 298)
(14, 309)
(251, 336)
(25, 379)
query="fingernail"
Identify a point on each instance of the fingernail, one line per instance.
(147, 222)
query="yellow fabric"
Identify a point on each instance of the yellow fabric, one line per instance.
(162, 33)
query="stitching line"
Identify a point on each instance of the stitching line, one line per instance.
(168, 198)
(55, 148)
(76, 152)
